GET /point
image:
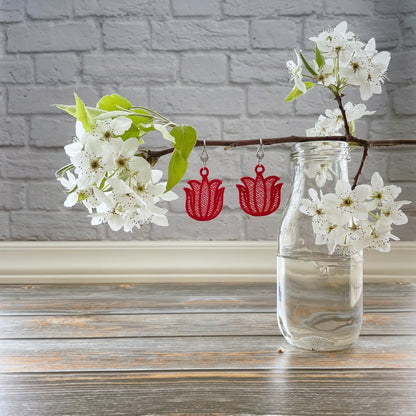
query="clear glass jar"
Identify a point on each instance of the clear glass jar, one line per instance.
(319, 296)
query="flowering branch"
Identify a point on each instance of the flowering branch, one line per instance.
(152, 155)
(354, 217)
(113, 176)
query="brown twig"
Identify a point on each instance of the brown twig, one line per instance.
(153, 155)
(391, 142)
(227, 144)
(360, 168)
(338, 98)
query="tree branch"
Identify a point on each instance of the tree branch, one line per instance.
(344, 116)
(360, 168)
(228, 144)
(152, 156)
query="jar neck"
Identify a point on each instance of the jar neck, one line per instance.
(319, 165)
(325, 151)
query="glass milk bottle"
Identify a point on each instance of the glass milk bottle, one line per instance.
(319, 296)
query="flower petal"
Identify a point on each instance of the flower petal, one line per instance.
(115, 222)
(156, 175)
(120, 124)
(169, 196)
(161, 220)
(377, 181)
(362, 192)
(342, 188)
(130, 146)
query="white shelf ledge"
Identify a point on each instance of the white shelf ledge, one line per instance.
(167, 261)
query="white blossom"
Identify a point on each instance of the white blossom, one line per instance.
(73, 149)
(355, 70)
(323, 127)
(325, 75)
(347, 203)
(355, 112)
(378, 236)
(70, 184)
(380, 193)
(117, 186)
(337, 42)
(107, 129)
(296, 73)
(108, 216)
(321, 171)
(350, 238)
(124, 153)
(391, 213)
(93, 161)
(91, 197)
(351, 220)
(332, 122)
(313, 207)
(371, 80)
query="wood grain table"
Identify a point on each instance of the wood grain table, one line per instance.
(195, 349)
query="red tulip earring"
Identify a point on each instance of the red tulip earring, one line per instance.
(204, 200)
(259, 196)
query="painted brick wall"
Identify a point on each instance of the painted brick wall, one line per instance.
(219, 65)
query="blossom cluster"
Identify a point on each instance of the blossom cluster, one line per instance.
(351, 220)
(117, 186)
(342, 60)
(332, 122)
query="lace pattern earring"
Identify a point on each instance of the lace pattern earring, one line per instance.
(259, 196)
(204, 199)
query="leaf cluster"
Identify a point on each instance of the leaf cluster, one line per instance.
(144, 120)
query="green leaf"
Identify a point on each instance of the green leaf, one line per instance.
(82, 196)
(352, 146)
(113, 114)
(305, 62)
(165, 132)
(351, 125)
(185, 139)
(320, 60)
(296, 92)
(144, 119)
(82, 114)
(146, 127)
(61, 172)
(133, 131)
(113, 102)
(176, 170)
(71, 109)
(333, 88)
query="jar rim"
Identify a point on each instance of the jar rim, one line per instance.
(318, 150)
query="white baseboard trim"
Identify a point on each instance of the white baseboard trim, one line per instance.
(167, 261)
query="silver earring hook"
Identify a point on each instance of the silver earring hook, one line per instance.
(260, 152)
(204, 154)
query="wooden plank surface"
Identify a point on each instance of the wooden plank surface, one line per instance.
(220, 393)
(136, 298)
(175, 298)
(192, 353)
(195, 349)
(179, 325)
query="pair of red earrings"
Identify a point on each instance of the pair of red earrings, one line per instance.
(258, 196)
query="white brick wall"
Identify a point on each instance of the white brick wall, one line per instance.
(219, 65)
